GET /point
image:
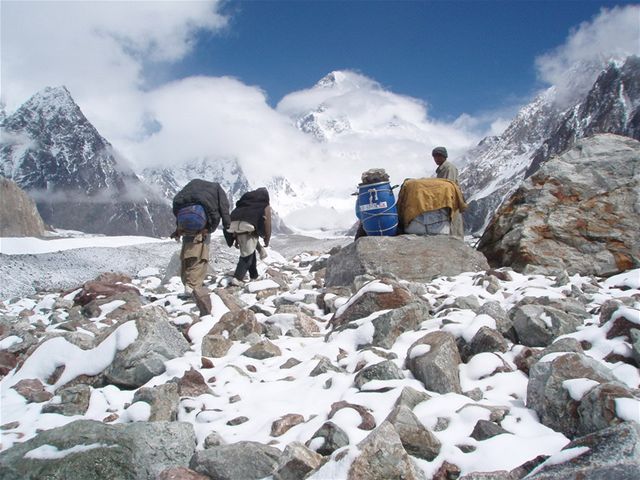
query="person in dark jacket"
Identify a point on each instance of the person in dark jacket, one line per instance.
(250, 220)
(194, 256)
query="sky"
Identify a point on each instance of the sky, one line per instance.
(170, 81)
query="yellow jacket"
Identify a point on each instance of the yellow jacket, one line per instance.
(418, 195)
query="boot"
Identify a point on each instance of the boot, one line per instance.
(203, 300)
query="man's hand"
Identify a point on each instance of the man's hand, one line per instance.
(175, 235)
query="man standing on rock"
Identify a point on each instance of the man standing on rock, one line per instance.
(198, 208)
(449, 171)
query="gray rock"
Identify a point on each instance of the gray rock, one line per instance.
(242, 460)
(382, 457)
(238, 324)
(635, 344)
(330, 437)
(438, 368)
(324, 366)
(262, 350)
(136, 451)
(469, 302)
(485, 340)
(578, 212)
(386, 370)
(485, 429)
(612, 453)
(597, 409)
(213, 440)
(503, 323)
(158, 341)
(163, 400)
(74, 400)
(215, 345)
(416, 439)
(389, 326)
(297, 462)
(409, 257)
(19, 215)
(551, 401)
(410, 398)
(531, 323)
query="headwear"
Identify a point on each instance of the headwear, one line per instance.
(440, 151)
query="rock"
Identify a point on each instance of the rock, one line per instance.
(368, 421)
(192, 384)
(383, 457)
(503, 323)
(19, 215)
(547, 395)
(597, 409)
(416, 439)
(324, 366)
(296, 462)
(410, 398)
(622, 326)
(104, 286)
(386, 370)
(409, 257)
(469, 302)
(163, 400)
(180, 473)
(284, 424)
(238, 324)
(158, 341)
(538, 325)
(434, 360)
(241, 460)
(328, 439)
(611, 453)
(485, 429)
(368, 300)
(8, 362)
(262, 350)
(577, 212)
(389, 326)
(485, 340)
(138, 450)
(74, 401)
(215, 346)
(33, 390)
(635, 345)
(213, 440)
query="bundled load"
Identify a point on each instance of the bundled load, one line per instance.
(426, 206)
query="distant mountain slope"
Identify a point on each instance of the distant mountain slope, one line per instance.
(546, 127)
(79, 182)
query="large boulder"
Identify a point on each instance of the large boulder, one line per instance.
(158, 341)
(88, 449)
(610, 453)
(434, 360)
(578, 212)
(246, 460)
(409, 257)
(19, 215)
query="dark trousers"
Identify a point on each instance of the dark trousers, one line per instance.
(245, 264)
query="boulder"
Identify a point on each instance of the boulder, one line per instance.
(389, 326)
(163, 400)
(296, 462)
(19, 215)
(416, 439)
(549, 394)
(382, 457)
(485, 429)
(539, 325)
(239, 324)
(245, 460)
(262, 350)
(328, 439)
(578, 212)
(215, 345)
(74, 400)
(434, 360)
(158, 341)
(88, 449)
(386, 370)
(612, 453)
(409, 257)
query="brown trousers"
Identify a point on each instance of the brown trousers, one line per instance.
(194, 262)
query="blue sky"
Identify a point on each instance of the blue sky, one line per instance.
(458, 56)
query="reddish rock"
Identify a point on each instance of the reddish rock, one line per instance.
(282, 425)
(368, 422)
(192, 384)
(33, 390)
(180, 473)
(8, 362)
(105, 285)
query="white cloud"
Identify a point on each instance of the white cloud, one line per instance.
(612, 33)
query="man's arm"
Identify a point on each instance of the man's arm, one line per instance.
(223, 208)
(267, 225)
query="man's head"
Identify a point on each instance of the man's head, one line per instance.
(439, 155)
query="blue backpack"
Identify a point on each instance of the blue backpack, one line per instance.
(191, 219)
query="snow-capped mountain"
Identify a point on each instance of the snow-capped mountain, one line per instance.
(548, 126)
(77, 179)
(227, 172)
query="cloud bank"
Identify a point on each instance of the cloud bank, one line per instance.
(104, 53)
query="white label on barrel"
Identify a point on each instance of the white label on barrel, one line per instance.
(372, 206)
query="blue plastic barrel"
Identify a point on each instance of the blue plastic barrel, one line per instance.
(376, 209)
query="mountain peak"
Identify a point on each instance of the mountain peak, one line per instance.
(51, 100)
(346, 80)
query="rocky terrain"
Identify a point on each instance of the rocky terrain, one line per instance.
(374, 377)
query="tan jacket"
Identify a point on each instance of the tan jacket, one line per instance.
(426, 194)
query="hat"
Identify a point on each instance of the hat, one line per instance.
(440, 151)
